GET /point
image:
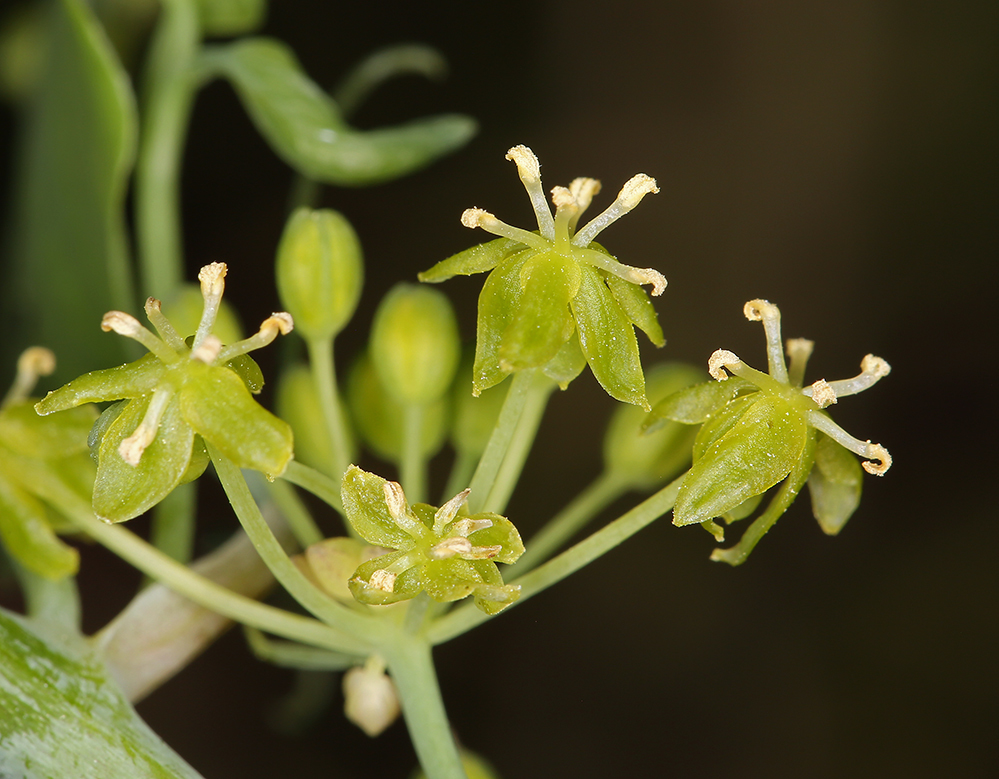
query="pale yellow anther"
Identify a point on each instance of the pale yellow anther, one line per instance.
(883, 460)
(467, 526)
(635, 189)
(758, 310)
(36, 361)
(563, 198)
(382, 580)
(875, 366)
(208, 350)
(395, 499)
(650, 276)
(121, 323)
(450, 547)
(152, 305)
(526, 161)
(584, 190)
(449, 510)
(131, 448)
(212, 278)
(472, 217)
(282, 320)
(717, 362)
(799, 348)
(823, 394)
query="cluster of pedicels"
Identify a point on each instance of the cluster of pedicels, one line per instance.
(760, 429)
(184, 394)
(555, 299)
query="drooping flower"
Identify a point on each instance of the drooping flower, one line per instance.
(555, 299)
(441, 551)
(761, 429)
(182, 393)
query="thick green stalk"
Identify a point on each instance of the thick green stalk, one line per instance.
(324, 375)
(168, 94)
(284, 570)
(526, 384)
(412, 668)
(591, 501)
(586, 551)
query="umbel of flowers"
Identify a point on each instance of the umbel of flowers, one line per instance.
(181, 394)
(555, 299)
(761, 429)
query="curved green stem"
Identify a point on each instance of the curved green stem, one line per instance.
(413, 464)
(525, 384)
(410, 662)
(169, 90)
(590, 502)
(586, 551)
(288, 654)
(311, 480)
(323, 370)
(295, 512)
(284, 570)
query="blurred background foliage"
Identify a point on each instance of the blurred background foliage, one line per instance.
(836, 159)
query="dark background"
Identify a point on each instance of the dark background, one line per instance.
(836, 159)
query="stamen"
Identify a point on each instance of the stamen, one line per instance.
(627, 272)
(765, 311)
(721, 358)
(631, 195)
(208, 350)
(131, 448)
(382, 580)
(130, 327)
(865, 449)
(450, 547)
(476, 217)
(449, 511)
(467, 526)
(874, 369)
(279, 322)
(823, 394)
(529, 170)
(566, 211)
(212, 278)
(583, 190)
(166, 330)
(799, 350)
(35, 361)
(398, 508)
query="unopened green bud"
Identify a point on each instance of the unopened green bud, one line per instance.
(414, 344)
(298, 404)
(320, 272)
(643, 459)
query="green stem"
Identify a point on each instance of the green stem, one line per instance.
(591, 501)
(324, 375)
(586, 551)
(410, 662)
(413, 464)
(524, 433)
(57, 602)
(172, 529)
(311, 480)
(284, 570)
(295, 512)
(289, 654)
(169, 92)
(461, 474)
(524, 384)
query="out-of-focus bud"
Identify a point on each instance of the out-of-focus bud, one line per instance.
(645, 459)
(474, 417)
(414, 344)
(184, 311)
(370, 699)
(320, 272)
(298, 404)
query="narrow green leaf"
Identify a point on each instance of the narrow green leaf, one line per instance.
(364, 504)
(721, 421)
(24, 431)
(498, 302)
(131, 380)
(68, 257)
(478, 259)
(567, 363)
(306, 129)
(835, 485)
(608, 340)
(61, 716)
(29, 538)
(635, 303)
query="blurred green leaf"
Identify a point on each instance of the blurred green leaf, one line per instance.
(60, 716)
(231, 17)
(307, 130)
(68, 253)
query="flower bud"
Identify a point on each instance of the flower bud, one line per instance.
(370, 699)
(298, 404)
(320, 272)
(414, 344)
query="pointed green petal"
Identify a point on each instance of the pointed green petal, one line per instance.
(492, 596)
(215, 402)
(24, 431)
(498, 301)
(502, 533)
(449, 580)
(757, 452)
(126, 381)
(122, 491)
(834, 484)
(635, 303)
(407, 584)
(28, 536)
(721, 421)
(364, 504)
(478, 259)
(541, 322)
(693, 405)
(567, 363)
(608, 340)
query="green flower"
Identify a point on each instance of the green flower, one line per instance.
(555, 299)
(761, 429)
(39, 457)
(444, 552)
(182, 392)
